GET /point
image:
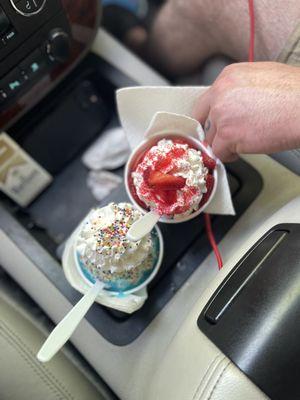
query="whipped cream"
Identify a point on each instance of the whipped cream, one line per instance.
(189, 166)
(104, 249)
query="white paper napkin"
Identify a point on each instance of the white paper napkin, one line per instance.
(145, 111)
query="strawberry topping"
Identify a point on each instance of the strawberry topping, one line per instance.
(209, 162)
(209, 181)
(159, 180)
(163, 164)
(167, 196)
(162, 181)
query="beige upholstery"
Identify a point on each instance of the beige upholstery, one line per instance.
(22, 376)
(197, 370)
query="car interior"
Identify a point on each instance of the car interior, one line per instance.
(201, 333)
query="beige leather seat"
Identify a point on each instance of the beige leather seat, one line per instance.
(22, 376)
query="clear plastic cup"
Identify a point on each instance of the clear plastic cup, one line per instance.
(137, 154)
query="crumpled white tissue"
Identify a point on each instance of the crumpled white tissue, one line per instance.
(109, 152)
(101, 183)
(145, 111)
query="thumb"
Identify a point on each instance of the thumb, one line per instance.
(222, 149)
(202, 106)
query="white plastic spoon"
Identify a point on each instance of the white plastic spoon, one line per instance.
(142, 226)
(62, 332)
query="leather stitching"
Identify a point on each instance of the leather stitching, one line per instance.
(52, 389)
(211, 377)
(196, 394)
(218, 380)
(40, 366)
(24, 345)
(27, 354)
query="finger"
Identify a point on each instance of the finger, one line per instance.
(209, 130)
(222, 149)
(202, 107)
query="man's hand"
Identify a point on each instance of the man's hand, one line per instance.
(252, 108)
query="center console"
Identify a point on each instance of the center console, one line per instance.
(258, 304)
(52, 217)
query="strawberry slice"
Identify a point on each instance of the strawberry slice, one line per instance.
(177, 152)
(167, 196)
(208, 162)
(163, 163)
(158, 180)
(210, 181)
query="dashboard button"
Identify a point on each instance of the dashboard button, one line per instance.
(9, 36)
(3, 96)
(58, 45)
(13, 82)
(28, 7)
(4, 22)
(34, 64)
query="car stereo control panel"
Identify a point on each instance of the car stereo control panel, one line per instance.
(19, 20)
(40, 41)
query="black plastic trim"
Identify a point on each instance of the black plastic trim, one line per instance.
(254, 316)
(241, 275)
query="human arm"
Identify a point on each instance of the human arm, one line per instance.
(252, 108)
